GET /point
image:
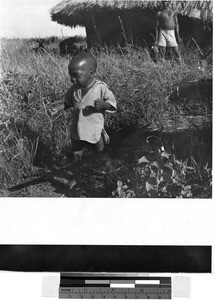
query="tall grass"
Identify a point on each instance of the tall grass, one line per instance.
(31, 83)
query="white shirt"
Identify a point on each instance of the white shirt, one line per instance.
(87, 122)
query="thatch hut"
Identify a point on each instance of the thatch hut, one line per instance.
(121, 21)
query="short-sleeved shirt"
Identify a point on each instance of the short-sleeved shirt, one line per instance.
(87, 123)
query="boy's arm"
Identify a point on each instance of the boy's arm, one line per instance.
(107, 102)
(157, 28)
(67, 103)
(57, 109)
(177, 34)
(99, 104)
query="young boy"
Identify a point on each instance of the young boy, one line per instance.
(90, 98)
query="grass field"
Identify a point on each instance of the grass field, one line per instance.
(31, 143)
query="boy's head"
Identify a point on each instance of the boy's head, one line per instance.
(166, 4)
(82, 68)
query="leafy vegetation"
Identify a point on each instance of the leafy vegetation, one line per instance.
(160, 174)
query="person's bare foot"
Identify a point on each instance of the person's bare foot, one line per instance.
(72, 184)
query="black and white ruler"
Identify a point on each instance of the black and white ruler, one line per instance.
(113, 286)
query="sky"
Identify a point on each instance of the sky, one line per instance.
(31, 18)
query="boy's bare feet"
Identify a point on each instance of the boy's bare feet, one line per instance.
(72, 184)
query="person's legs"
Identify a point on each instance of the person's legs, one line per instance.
(105, 136)
(172, 43)
(78, 149)
(162, 43)
(177, 54)
(77, 155)
(102, 155)
(99, 146)
(162, 51)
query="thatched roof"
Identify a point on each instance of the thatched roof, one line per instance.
(74, 12)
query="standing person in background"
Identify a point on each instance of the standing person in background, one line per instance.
(167, 30)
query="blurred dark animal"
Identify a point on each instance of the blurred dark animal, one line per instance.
(72, 45)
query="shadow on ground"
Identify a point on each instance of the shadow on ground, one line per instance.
(98, 173)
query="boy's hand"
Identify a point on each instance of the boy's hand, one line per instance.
(53, 111)
(179, 40)
(99, 104)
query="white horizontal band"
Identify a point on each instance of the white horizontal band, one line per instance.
(122, 285)
(147, 281)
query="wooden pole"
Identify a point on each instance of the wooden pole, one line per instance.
(96, 30)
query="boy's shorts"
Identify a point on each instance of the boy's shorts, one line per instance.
(78, 145)
(167, 38)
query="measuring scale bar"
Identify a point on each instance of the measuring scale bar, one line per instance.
(128, 288)
(114, 293)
